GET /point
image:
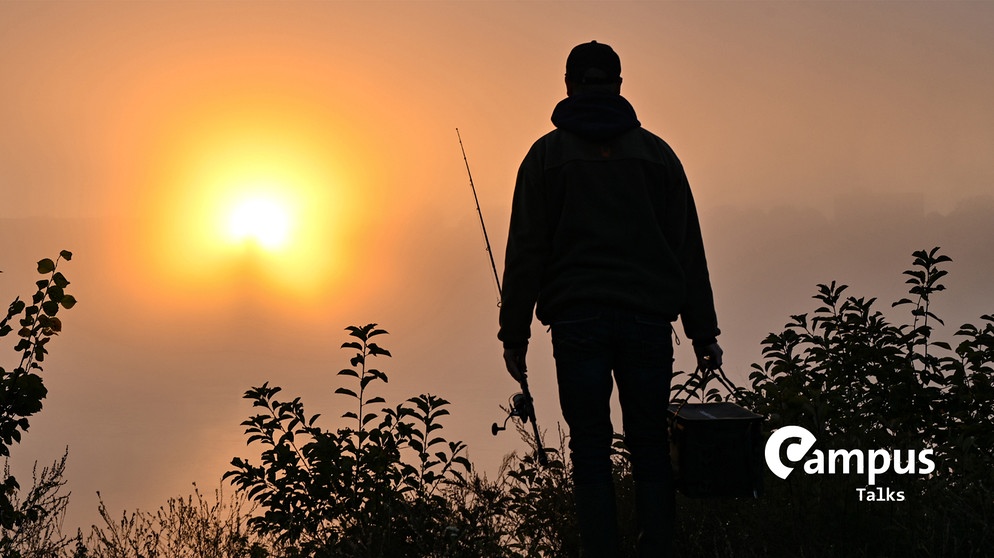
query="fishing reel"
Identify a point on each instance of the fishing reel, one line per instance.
(521, 407)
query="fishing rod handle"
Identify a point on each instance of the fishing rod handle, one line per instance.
(543, 459)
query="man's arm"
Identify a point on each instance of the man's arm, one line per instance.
(528, 244)
(700, 321)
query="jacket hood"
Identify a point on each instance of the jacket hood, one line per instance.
(594, 116)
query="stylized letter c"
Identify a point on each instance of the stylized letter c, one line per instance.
(795, 450)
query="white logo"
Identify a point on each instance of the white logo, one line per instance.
(796, 443)
(795, 450)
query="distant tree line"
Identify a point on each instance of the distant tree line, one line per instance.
(390, 484)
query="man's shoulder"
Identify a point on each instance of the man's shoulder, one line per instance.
(549, 138)
(540, 148)
(558, 146)
(654, 142)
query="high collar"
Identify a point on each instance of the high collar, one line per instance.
(595, 116)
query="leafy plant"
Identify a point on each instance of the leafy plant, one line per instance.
(22, 389)
(849, 375)
(539, 504)
(352, 492)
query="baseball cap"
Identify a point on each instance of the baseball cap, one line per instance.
(593, 63)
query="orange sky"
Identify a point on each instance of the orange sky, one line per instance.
(823, 141)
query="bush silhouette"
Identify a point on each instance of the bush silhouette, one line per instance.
(857, 381)
(389, 484)
(29, 521)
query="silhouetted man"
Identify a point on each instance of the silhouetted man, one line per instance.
(604, 238)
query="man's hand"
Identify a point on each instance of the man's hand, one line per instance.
(708, 356)
(514, 359)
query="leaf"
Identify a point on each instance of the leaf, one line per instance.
(365, 381)
(68, 301)
(438, 413)
(346, 391)
(936, 318)
(56, 293)
(375, 349)
(65, 255)
(46, 266)
(938, 274)
(422, 403)
(16, 307)
(916, 274)
(60, 280)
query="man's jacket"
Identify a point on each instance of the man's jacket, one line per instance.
(603, 218)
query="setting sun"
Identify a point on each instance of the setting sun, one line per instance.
(262, 220)
(253, 190)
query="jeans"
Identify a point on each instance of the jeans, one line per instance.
(638, 349)
(588, 347)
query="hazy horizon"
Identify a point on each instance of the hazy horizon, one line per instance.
(823, 141)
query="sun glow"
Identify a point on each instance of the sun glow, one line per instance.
(251, 199)
(262, 220)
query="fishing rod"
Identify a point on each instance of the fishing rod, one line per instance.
(483, 226)
(522, 404)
